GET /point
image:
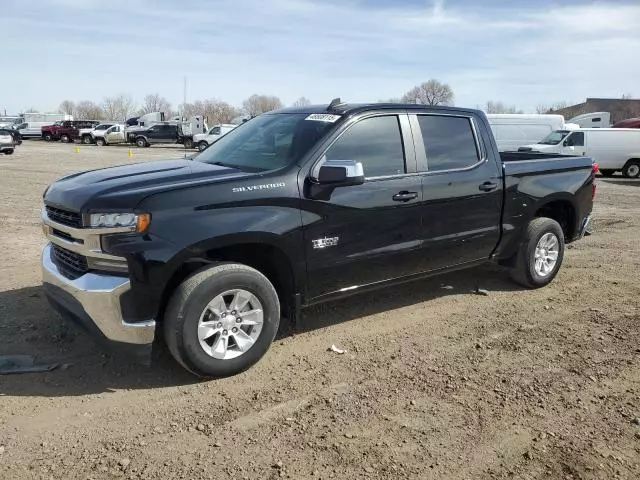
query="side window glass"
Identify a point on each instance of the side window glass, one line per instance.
(448, 141)
(376, 142)
(578, 139)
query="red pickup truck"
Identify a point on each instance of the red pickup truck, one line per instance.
(66, 131)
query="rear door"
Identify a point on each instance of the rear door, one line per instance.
(362, 234)
(462, 190)
(168, 134)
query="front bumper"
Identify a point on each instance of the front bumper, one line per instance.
(6, 146)
(94, 300)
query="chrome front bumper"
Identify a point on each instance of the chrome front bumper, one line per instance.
(95, 298)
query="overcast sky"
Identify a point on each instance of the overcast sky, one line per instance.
(361, 50)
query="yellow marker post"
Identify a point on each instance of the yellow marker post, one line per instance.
(130, 153)
(77, 149)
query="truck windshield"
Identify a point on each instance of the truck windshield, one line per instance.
(554, 138)
(267, 142)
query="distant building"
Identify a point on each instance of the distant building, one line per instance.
(620, 108)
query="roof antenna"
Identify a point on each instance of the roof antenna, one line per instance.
(335, 104)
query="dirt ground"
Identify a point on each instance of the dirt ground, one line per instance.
(436, 382)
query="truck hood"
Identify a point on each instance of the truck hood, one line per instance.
(539, 147)
(200, 136)
(126, 186)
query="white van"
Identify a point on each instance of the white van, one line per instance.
(513, 130)
(592, 120)
(203, 140)
(31, 129)
(613, 149)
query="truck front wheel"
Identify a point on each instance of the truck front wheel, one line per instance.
(222, 320)
(141, 142)
(65, 138)
(48, 137)
(202, 145)
(540, 254)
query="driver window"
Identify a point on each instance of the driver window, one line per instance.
(376, 142)
(576, 139)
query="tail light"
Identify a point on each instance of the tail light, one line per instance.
(595, 170)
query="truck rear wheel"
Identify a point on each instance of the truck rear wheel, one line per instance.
(540, 255)
(100, 142)
(87, 139)
(188, 143)
(222, 320)
(65, 138)
(631, 169)
(48, 137)
(202, 145)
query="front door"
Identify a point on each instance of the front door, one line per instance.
(574, 144)
(462, 191)
(115, 135)
(362, 234)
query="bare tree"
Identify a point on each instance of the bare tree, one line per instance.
(257, 104)
(88, 110)
(153, 102)
(118, 108)
(302, 102)
(432, 92)
(215, 110)
(543, 108)
(499, 107)
(68, 107)
(31, 110)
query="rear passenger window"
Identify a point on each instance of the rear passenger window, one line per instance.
(376, 143)
(449, 142)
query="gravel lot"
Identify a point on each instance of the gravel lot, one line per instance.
(435, 382)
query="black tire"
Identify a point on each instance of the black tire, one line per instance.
(631, 169)
(101, 142)
(65, 138)
(188, 143)
(87, 140)
(48, 137)
(8, 152)
(523, 271)
(202, 145)
(607, 173)
(141, 142)
(189, 301)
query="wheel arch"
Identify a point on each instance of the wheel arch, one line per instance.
(266, 255)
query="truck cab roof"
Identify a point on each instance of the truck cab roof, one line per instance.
(354, 108)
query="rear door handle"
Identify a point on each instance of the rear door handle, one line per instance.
(404, 196)
(488, 186)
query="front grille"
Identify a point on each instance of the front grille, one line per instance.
(65, 217)
(72, 265)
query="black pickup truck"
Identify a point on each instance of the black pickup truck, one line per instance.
(156, 134)
(295, 207)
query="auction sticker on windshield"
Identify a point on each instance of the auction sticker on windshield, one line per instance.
(323, 117)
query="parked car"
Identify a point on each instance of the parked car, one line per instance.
(628, 123)
(7, 142)
(203, 140)
(110, 136)
(512, 131)
(86, 135)
(613, 149)
(295, 207)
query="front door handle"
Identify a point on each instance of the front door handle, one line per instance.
(488, 186)
(404, 196)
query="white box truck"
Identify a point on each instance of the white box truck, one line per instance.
(613, 149)
(513, 130)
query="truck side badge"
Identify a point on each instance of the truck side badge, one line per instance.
(325, 242)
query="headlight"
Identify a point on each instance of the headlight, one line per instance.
(113, 220)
